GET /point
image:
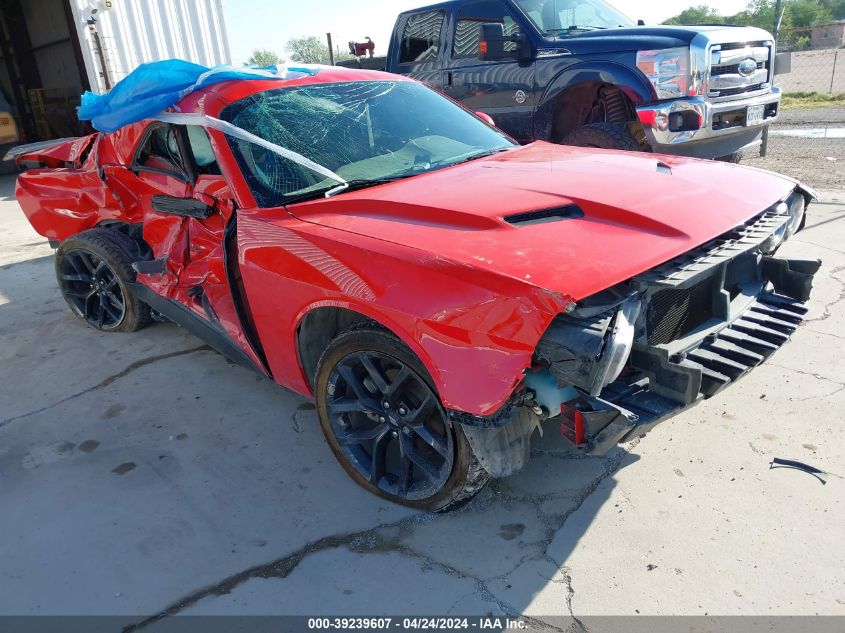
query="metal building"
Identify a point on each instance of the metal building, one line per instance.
(53, 50)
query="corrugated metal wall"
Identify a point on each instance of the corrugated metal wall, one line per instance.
(136, 31)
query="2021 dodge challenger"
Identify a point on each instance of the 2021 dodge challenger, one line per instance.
(438, 289)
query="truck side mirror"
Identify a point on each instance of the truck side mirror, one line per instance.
(492, 44)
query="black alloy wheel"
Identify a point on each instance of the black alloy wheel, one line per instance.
(390, 425)
(92, 289)
(93, 269)
(385, 424)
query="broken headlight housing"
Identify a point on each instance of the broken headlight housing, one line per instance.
(618, 343)
(797, 205)
(792, 210)
(589, 347)
(771, 243)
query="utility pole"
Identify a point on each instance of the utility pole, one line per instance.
(331, 48)
(779, 9)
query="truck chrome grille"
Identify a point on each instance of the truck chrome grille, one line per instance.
(738, 68)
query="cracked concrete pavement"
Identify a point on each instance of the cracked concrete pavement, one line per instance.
(146, 475)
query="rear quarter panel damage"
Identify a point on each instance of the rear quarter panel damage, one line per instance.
(474, 332)
(81, 184)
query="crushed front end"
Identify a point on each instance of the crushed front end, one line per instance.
(621, 361)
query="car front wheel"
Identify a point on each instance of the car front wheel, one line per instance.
(386, 426)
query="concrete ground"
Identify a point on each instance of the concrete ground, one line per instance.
(143, 474)
(808, 145)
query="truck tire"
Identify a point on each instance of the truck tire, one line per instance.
(603, 135)
(391, 434)
(92, 269)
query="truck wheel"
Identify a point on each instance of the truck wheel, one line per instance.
(603, 135)
(92, 269)
(386, 426)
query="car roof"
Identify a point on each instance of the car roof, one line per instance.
(214, 98)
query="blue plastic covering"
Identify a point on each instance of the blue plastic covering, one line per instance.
(152, 88)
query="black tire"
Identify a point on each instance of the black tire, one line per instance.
(466, 477)
(92, 270)
(603, 135)
(731, 158)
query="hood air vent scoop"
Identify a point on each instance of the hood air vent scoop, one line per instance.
(541, 216)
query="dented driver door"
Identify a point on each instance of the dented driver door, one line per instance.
(187, 229)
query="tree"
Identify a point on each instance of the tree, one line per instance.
(308, 50)
(806, 13)
(701, 14)
(264, 57)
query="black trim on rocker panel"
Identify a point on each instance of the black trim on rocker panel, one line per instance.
(198, 326)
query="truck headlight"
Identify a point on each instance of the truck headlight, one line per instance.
(797, 205)
(668, 70)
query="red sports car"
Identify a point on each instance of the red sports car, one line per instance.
(438, 289)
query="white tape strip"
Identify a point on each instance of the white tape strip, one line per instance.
(185, 118)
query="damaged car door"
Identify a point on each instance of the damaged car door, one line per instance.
(188, 222)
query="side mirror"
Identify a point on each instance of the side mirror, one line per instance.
(212, 194)
(491, 47)
(486, 118)
(214, 191)
(183, 207)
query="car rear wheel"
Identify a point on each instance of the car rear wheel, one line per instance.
(603, 135)
(386, 426)
(92, 269)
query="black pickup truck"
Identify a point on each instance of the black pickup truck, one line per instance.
(581, 73)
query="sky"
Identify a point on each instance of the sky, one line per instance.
(269, 24)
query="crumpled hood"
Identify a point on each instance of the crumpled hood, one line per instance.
(639, 210)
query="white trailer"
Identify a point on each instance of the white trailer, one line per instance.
(53, 50)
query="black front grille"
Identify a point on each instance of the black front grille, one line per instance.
(673, 313)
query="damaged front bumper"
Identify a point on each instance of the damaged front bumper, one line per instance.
(700, 322)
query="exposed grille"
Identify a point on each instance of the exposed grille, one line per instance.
(673, 313)
(682, 269)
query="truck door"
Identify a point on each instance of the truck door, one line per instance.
(421, 47)
(504, 89)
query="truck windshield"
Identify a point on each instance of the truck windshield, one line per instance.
(366, 132)
(562, 17)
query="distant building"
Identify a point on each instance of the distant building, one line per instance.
(829, 35)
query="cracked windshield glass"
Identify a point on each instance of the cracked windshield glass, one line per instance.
(367, 132)
(559, 17)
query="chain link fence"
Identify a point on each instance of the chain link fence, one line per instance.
(808, 141)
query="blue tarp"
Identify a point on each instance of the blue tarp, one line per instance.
(152, 88)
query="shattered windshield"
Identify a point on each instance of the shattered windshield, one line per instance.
(562, 17)
(366, 132)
